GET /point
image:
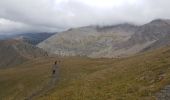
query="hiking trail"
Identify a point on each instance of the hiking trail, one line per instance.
(50, 85)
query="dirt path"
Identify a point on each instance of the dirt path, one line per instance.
(51, 84)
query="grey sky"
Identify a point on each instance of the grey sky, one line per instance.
(17, 16)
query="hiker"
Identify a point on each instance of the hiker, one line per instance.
(55, 68)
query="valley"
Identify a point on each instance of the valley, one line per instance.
(84, 50)
(119, 62)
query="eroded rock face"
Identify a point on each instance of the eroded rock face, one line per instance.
(110, 41)
(164, 94)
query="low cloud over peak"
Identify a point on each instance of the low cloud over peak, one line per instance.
(18, 16)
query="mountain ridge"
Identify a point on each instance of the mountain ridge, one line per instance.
(108, 41)
(31, 38)
(13, 52)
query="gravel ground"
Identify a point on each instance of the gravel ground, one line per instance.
(164, 94)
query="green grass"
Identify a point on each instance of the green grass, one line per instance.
(133, 78)
(21, 81)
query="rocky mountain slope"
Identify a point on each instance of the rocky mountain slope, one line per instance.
(88, 41)
(13, 52)
(109, 41)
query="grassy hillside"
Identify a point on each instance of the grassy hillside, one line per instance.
(134, 78)
(15, 52)
(18, 82)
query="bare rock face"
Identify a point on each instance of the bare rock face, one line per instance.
(109, 41)
(147, 37)
(88, 41)
(13, 52)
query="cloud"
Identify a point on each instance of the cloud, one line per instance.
(12, 27)
(18, 16)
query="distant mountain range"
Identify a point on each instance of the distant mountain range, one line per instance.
(32, 38)
(13, 52)
(109, 41)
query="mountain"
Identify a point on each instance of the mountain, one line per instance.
(147, 37)
(13, 52)
(89, 41)
(152, 31)
(109, 41)
(32, 38)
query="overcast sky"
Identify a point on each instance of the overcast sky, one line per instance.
(20, 16)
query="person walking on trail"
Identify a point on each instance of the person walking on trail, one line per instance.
(55, 68)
